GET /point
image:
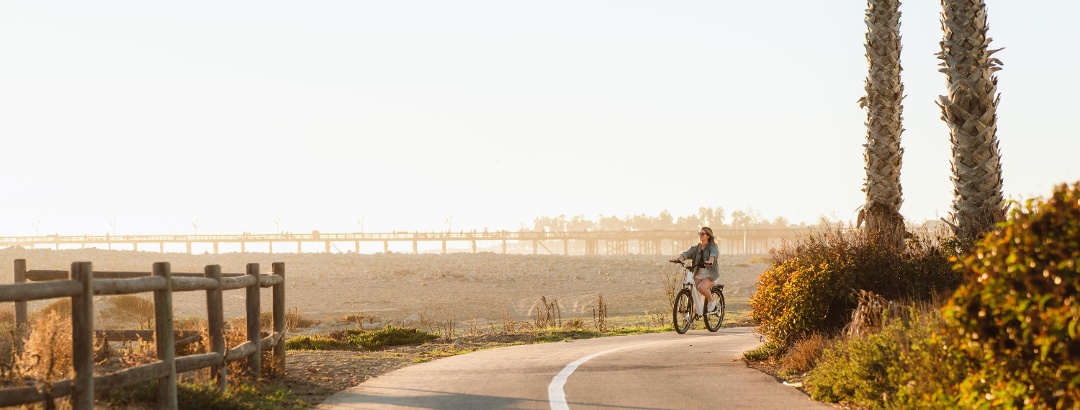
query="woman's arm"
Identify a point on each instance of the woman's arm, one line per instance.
(687, 255)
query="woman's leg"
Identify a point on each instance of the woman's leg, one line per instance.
(704, 286)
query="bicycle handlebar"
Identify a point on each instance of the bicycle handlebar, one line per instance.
(683, 262)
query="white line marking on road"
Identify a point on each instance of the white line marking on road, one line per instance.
(557, 397)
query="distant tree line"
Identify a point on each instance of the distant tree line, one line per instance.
(715, 218)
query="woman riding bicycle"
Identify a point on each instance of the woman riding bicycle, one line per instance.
(706, 272)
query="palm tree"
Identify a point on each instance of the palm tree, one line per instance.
(970, 110)
(884, 92)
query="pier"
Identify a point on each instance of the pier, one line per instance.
(657, 242)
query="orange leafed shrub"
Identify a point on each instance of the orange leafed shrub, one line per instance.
(1019, 310)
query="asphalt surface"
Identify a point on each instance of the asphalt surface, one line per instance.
(652, 371)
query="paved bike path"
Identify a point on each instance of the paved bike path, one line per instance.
(652, 371)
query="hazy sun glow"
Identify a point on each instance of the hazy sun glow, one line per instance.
(135, 117)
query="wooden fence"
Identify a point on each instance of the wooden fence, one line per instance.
(83, 283)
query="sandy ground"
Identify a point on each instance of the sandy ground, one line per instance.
(479, 289)
(474, 291)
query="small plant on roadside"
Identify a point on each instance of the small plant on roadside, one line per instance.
(671, 278)
(548, 314)
(317, 342)
(446, 327)
(390, 336)
(760, 354)
(574, 324)
(294, 320)
(659, 319)
(358, 318)
(474, 328)
(425, 320)
(509, 326)
(802, 357)
(548, 336)
(600, 314)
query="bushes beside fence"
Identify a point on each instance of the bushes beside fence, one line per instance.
(82, 284)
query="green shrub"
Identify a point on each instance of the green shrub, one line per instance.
(757, 355)
(813, 283)
(559, 335)
(316, 342)
(912, 362)
(391, 336)
(205, 396)
(855, 372)
(351, 339)
(1019, 308)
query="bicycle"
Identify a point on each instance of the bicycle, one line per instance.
(688, 305)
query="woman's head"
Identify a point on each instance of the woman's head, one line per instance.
(706, 231)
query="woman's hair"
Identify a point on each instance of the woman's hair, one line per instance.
(708, 231)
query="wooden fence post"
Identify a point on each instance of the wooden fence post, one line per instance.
(215, 318)
(21, 320)
(82, 337)
(253, 307)
(279, 316)
(163, 335)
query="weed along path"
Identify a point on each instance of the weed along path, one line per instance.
(654, 371)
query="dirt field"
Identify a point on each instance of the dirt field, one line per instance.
(476, 289)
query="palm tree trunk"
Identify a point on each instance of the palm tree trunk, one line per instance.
(970, 110)
(884, 117)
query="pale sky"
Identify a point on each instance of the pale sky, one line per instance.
(153, 117)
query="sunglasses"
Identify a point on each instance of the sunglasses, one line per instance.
(701, 233)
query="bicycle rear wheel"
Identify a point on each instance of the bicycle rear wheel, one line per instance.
(714, 321)
(682, 311)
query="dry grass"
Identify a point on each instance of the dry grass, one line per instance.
(871, 314)
(41, 359)
(548, 314)
(671, 280)
(803, 355)
(8, 334)
(125, 310)
(600, 314)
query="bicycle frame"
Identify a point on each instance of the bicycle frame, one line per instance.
(688, 283)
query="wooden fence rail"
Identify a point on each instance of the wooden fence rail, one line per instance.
(83, 283)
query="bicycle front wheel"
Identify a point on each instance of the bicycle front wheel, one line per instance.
(715, 320)
(682, 312)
